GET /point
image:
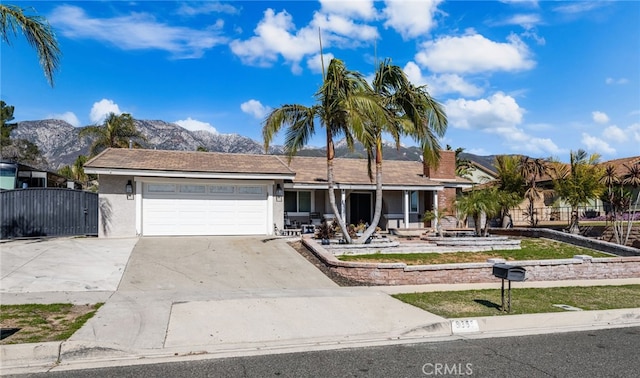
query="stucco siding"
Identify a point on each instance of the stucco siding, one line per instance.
(116, 212)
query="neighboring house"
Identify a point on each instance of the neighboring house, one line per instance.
(480, 174)
(18, 176)
(550, 207)
(152, 192)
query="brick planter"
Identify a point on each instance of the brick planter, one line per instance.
(579, 268)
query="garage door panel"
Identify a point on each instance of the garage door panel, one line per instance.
(176, 213)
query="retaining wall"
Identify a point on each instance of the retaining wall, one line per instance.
(578, 268)
(579, 240)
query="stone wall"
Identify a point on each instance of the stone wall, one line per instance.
(634, 236)
(579, 240)
(580, 267)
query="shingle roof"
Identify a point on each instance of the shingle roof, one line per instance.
(188, 161)
(307, 170)
(619, 164)
(313, 170)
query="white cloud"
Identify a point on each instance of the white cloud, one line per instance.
(315, 64)
(194, 9)
(255, 108)
(527, 3)
(600, 117)
(441, 84)
(277, 36)
(68, 117)
(474, 53)
(521, 142)
(616, 134)
(361, 9)
(635, 131)
(137, 31)
(576, 7)
(595, 144)
(411, 18)
(101, 109)
(195, 125)
(497, 111)
(527, 21)
(621, 80)
(498, 114)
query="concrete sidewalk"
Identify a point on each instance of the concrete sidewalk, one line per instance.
(185, 298)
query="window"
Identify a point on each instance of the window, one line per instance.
(161, 188)
(413, 202)
(297, 202)
(250, 189)
(192, 189)
(226, 189)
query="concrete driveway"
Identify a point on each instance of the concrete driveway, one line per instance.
(188, 294)
(75, 270)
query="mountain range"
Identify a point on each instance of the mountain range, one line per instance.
(60, 144)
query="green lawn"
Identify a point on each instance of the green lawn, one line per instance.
(459, 304)
(532, 249)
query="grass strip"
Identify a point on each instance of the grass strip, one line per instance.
(531, 249)
(44, 322)
(487, 302)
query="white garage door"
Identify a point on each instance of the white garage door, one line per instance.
(204, 209)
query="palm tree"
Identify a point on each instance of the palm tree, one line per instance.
(632, 178)
(476, 203)
(346, 105)
(510, 186)
(463, 166)
(532, 170)
(578, 183)
(38, 33)
(75, 171)
(409, 111)
(117, 131)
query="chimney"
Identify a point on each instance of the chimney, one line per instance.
(446, 169)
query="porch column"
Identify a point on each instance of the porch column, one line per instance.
(435, 209)
(343, 202)
(406, 209)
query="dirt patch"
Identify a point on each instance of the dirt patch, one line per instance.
(34, 323)
(338, 279)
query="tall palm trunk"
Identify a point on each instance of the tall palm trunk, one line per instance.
(377, 213)
(331, 183)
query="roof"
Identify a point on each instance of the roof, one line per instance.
(619, 164)
(313, 170)
(302, 171)
(186, 161)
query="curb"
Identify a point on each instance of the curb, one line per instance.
(29, 358)
(528, 324)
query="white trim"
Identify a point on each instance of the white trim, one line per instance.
(364, 187)
(197, 175)
(406, 209)
(139, 185)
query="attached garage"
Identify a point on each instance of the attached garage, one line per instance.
(192, 208)
(184, 193)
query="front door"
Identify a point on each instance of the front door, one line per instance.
(360, 208)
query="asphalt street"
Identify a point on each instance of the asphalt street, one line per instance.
(604, 353)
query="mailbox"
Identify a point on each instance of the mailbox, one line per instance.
(509, 272)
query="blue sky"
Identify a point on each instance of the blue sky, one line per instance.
(540, 78)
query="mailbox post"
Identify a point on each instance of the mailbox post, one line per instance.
(509, 273)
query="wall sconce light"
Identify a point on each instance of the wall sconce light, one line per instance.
(279, 193)
(128, 188)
